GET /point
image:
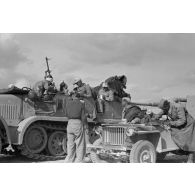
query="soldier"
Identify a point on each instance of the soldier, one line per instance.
(131, 113)
(64, 88)
(43, 88)
(83, 89)
(181, 125)
(118, 85)
(77, 124)
(104, 94)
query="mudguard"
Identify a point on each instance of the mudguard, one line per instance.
(23, 125)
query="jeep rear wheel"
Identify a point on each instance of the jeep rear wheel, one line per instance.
(143, 152)
(96, 158)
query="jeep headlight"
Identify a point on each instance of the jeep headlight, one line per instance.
(130, 131)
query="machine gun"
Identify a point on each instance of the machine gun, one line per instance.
(48, 71)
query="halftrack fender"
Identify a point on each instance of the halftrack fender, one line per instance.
(23, 125)
(5, 126)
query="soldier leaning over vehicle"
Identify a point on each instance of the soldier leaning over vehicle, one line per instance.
(77, 125)
(118, 85)
(43, 89)
(132, 113)
(182, 126)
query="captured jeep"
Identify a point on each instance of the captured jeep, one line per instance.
(136, 143)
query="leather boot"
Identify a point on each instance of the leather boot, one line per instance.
(190, 158)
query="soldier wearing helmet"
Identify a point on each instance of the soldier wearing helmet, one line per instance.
(82, 89)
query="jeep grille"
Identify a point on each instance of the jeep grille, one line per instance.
(114, 135)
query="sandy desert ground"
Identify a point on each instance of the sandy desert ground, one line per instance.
(20, 159)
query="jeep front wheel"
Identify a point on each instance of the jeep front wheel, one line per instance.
(143, 152)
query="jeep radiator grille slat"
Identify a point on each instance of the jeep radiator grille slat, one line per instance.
(114, 135)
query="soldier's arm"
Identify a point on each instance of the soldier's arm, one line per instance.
(84, 116)
(181, 118)
(136, 120)
(88, 92)
(159, 115)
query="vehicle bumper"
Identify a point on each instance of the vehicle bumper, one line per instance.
(106, 147)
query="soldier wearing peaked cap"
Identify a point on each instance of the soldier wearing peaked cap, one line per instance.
(83, 89)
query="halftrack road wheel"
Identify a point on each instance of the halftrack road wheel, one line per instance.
(57, 144)
(143, 151)
(35, 139)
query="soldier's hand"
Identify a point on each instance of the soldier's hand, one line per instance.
(167, 127)
(87, 131)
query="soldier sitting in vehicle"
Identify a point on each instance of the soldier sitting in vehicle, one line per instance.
(104, 94)
(132, 113)
(182, 126)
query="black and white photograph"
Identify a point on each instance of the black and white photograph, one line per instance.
(97, 97)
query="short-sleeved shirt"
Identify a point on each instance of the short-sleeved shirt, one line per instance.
(74, 109)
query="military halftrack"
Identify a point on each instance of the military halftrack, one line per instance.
(38, 129)
(136, 143)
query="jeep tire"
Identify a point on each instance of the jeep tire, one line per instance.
(143, 151)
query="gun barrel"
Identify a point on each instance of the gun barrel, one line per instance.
(154, 104)
(180, 99)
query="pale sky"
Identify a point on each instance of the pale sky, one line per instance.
(156, 65)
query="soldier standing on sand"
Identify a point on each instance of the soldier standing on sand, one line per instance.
(77, 124)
